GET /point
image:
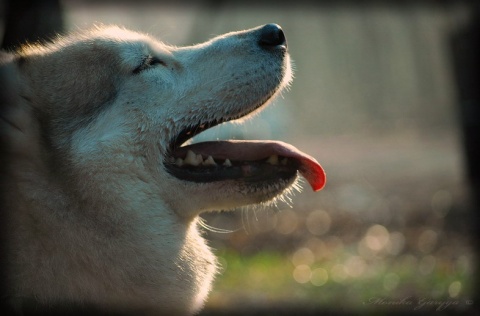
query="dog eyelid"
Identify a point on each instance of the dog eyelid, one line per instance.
(147, 62)
(152, 60)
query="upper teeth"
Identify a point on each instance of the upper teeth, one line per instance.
(193, 159)
(273, 160)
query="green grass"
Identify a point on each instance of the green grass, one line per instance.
(266, 278)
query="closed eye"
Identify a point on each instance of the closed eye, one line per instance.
(148, 62)
(155, 61)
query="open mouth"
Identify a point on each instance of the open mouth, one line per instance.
(244, 160)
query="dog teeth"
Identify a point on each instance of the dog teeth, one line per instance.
(179, 162)
(227, 163)
(193, 159)
(209, 161)
(190, 158)
(273, 160)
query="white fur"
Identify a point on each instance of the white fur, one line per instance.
(93, 216)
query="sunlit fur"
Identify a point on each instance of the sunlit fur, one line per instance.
(93, 216)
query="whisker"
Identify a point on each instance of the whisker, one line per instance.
(202, 223)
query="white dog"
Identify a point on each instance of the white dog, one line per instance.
(101, 198)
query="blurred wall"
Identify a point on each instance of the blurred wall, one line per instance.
(357, 67)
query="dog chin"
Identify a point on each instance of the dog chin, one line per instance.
(231, 194)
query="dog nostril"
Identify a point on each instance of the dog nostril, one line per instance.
(271, 35)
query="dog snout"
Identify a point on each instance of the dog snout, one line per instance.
(271, 36)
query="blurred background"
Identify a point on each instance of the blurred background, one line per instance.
(386, 98)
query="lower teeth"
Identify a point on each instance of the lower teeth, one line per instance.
(192, 159)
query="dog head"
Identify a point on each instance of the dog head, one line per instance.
(116, 107)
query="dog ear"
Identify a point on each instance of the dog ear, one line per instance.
(6, 76)
(17, 128)
(8, 98)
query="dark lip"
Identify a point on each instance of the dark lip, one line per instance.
(193, 130)
(190, 132)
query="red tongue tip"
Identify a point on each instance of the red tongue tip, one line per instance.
(310, 169)
(314, 174)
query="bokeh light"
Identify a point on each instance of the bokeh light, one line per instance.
(390, 281)
(287, 221)
(318, 222)
(427, 264)
(454, 289)
(427, 241)
(355, 266)
(302, 273)
(303, 256)
(319, 277)
(338, 273)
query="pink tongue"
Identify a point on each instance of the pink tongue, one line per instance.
(250, 150)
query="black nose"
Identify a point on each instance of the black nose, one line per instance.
(271, 35)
